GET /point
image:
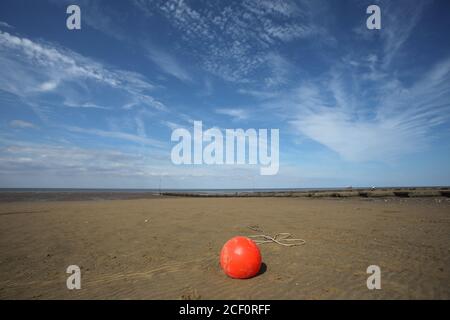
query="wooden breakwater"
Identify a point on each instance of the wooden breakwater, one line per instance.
(344, 193)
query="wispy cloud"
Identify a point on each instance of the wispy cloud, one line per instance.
(259, 94)
(68, 160)
(237, 114)
(88, 105)
(232, 38)
(22, 124)
(397, 31)
(48, 86)
(171, 125)
(5, 25)
(117, 135)
(279, 70)
(399, 22)
(53, 161)
(31, 67)
(100, 16)
(168, 64)
(398, 120)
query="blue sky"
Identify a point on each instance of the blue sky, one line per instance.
(96, 107)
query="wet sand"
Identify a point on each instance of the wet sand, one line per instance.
(167, 248)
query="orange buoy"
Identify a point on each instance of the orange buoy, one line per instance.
(240, 258)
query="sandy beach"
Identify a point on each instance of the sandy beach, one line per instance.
(168, 248)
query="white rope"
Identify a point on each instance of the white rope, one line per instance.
(282, 238)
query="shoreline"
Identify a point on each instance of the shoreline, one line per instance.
(93, 195)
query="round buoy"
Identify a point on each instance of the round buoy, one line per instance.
(240, 258)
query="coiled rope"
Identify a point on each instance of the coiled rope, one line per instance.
(283, 238)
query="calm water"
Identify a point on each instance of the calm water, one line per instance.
(157, 190)
(209, 191)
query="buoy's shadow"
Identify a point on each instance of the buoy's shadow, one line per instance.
(262, 270)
